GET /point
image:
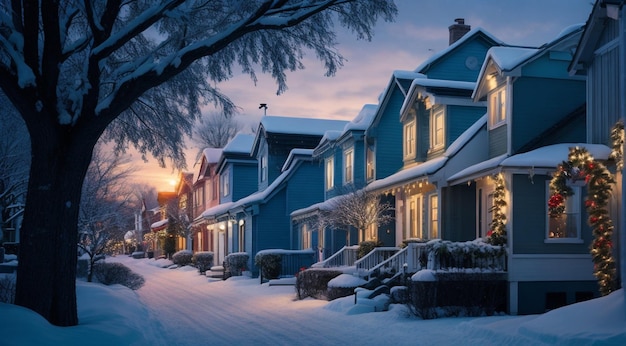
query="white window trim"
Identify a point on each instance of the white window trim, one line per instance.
(408, 142)
(263, 167)
(576, 200)
(329, 173)
(431, 214)
(346, 153)
(433, 128)
(225, 184)
(493, 123)
(370, 167)
(418, 199)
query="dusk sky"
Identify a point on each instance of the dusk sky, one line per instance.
(420, 30)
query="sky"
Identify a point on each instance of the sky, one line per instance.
(420, 30)
(240, 311)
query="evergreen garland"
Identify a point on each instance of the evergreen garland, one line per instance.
(581, 165)
(497, 226)
(617, 144)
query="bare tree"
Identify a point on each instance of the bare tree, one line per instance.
(136, 72)
(357, 209)
(105, 209)
(215, 130)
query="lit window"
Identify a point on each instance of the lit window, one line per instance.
(242, 237)
(497, 107)
(437, 129)
(409, 140)
(306, 237)
(370, 163)
(434, 217)
(567, 225)
(348, 165)
(414, 218)
(330, 173)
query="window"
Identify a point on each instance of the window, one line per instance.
(437, 129)
(348, 166)
(242, 237)
(414, 217)
(484, 210)
(330, 173)
(263, 168)
(214, 190)
(497, 107)
(225, 183)
(370, 162)
(434, 217)
(409, 140)
(306, 237)
(567, 226)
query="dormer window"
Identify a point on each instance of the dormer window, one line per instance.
(497, 107)
(437, 128)
(263, 167)
(330, 173)
(348, 166)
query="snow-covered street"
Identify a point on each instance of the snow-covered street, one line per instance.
(181, 307)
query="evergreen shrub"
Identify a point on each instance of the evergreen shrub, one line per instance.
(313, 282)
(366, 247)
(117, 273)
(235, 264)
(269, 264)
(203, 260)
(182, 257)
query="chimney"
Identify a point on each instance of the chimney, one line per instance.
(458, 30)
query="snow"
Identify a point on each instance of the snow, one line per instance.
(159, 223)
(180, 307)
(508, 58)
(300, 126)
(424, 275)
(241, 143)
(346, 281)
(363, 120)
(212, 154)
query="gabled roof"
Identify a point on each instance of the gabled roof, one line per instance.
(508, 61)
(293, 127)
(433, 87)
(209, 156)
(239, 148)
(594, 27)
(472, 34)
(296, 157)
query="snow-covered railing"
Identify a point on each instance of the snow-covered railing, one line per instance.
(446, 255)
(411, 256)
(373, 258)
(345, 257)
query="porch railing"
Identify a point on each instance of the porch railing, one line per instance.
(373, 258)
(342, 258)
(413, 256)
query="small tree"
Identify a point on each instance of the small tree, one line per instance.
(358, 209)
(215, 130)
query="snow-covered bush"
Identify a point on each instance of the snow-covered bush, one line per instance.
(235, 263)
(203, 260)
(7, 288)
(117, 273)
(138, 254)
(182, 257)
(343, 286)
(445, 254)
(269, 263)
(313, 282)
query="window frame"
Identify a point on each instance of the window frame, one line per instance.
(433, 217)
(573, 202)
(263, 168)
(329, 173)
(435, 114)
(225, 178)
(370, 164)
(409, 140)
(498, 106)
(348, 166)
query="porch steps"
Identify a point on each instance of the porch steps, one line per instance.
(216, 272)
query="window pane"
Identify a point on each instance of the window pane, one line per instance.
(566, 225)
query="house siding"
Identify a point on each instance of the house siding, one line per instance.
(546, 107)
(458, 212)
(529, 233)
(459, 119)
(245, 176)
(453, 66)
(552, 292)
(389, 138)
(498, 141)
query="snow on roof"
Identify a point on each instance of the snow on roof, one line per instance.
(508, 58)
(363, 120)
(215, 211)
(434, 83)
(545, 157)
(212, 154)
(159, 224)
(567, 31)
(451, 47)
(296, 152)
(300, 126)
(403, 74)
(552, 155)
(241, 143)
(331, 135)
(430, 166)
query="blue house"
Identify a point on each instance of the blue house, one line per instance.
(601, 57)
(287, 178)
(536, 111)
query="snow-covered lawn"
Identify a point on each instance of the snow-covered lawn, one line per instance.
(181, 307)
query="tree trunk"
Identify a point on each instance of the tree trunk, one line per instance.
(46, 279)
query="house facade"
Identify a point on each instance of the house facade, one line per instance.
(205, 194)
